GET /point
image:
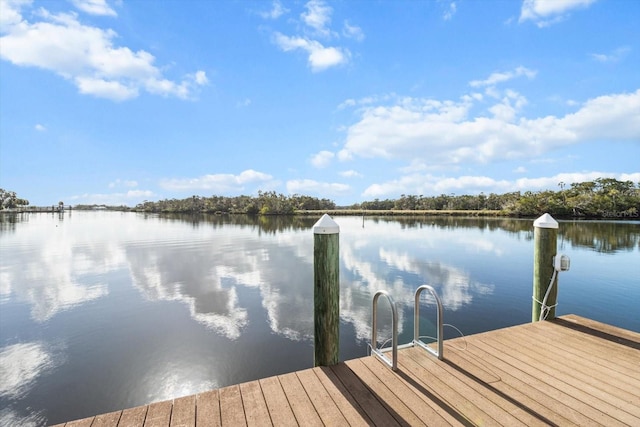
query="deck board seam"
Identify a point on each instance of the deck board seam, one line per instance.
(384, 389)
(610, 375)
(511, 383)
(362, 385)
(434, 368)
(548, 383)
(570, 377)
(412, 390)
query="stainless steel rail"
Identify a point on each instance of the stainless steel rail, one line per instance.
(394, 334)
(393, 362)
(416, 322)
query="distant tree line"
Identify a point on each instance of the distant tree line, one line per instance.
(601, 198)
(10, 200)
(266, 203)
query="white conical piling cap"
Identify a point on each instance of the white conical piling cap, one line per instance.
(326, 225)
(545, 221)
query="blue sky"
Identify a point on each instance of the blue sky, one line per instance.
(117, 102)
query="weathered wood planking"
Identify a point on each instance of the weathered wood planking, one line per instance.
(568, 371)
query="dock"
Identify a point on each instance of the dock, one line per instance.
(566, 371)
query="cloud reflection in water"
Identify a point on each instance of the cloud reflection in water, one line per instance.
(55, 269)
(387, 257)
(205, 268)
(208, 278)
(21, 365)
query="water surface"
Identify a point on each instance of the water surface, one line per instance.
(102, 311)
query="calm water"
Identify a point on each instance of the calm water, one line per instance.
(104, 311)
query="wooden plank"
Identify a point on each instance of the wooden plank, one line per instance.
(595, 395)
(452, 391)
(499, 406)
(610, 351)
(412, 394)
(208, 409)
(85, 422)
(107, 420)
(299, 401)
(231, 409)
(588, 367)
(133, 417)
(616, 347)
(599, 326)
(490, 370)
(625, 361)
(255, 407)
(184, 412)
(347, 405)
(386, 392)
(279, 410)
(159, 414)
(374, 408)
(547, 384)
(529, 382)
(325, 407)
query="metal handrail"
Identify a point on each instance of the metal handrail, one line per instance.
(416, 322)
(394, 334)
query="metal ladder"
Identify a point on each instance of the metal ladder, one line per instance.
(393, 362)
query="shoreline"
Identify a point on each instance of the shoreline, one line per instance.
(483, 213)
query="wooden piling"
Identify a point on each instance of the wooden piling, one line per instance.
(326, 291)
(545, 239)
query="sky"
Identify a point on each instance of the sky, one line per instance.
(117, 102)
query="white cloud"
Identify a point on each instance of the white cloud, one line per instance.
(546, 12)
(127, 198)
(351, 174)
(366, 101)
(441, 132)
(450, 11)
(345, 155)
(520, 169)
(316, 20)
(243, 103)
(123, 183)
(322, 159)
(94, 7)
(276, 11)
(86, 56)
(40, 128)
(615, 56)
(347, 103)
(308, 186)
(137, 194)
(352, 31)
(613, 117)
(222, 183)
(500, 77)
(320, 57)
(200, 78)
(11, 12)
(318, 16)
(113, 90)
(551, 182)
(432, 185)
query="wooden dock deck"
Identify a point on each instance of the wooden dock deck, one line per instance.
(568, 371)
